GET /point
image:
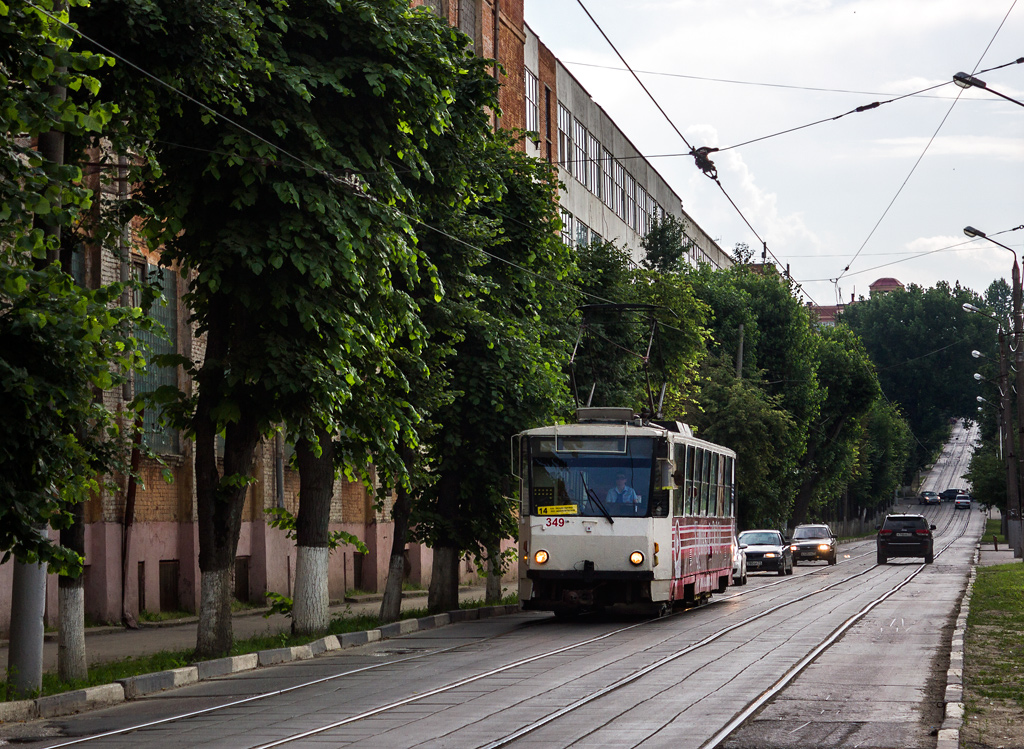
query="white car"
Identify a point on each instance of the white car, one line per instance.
(962, 502)
(739, 563)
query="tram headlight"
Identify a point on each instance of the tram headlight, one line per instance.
(540, 557)
(637, 557)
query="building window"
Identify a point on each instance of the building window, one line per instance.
(645, 216)
(582, 234)
(567, 233)
(564, 138)
(620, 190)
(467, 18)
(579, 152)
(631, 214)
(594, 164)
(161, 439)
(532, 102)
(595, 237)
(608, 184)
(440, 7)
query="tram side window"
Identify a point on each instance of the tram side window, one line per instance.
(730, 486)
(720, 498)
(679, 481)
(706, 479)
(691, 480)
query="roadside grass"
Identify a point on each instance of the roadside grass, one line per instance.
(993, 527)
(995, 651)
(106, 673)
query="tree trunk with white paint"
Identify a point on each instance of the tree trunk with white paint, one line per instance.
(312, 534)
(71, 606)
(443, 594)
(310, 600)
(214, 634)
(71, 665)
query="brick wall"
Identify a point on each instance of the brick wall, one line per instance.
(548, 93)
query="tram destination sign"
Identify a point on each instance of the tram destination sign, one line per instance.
(558, 510)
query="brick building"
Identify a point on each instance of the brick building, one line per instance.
(161, 536)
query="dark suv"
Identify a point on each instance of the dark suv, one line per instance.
(813, 542)
(905, 536)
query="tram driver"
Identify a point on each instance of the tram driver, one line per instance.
(622, 496)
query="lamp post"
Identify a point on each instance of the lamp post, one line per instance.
(1015, 530)
(1018, 359)
(964, 80)
(999, 420)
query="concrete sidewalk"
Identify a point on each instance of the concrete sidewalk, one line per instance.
(111, 643)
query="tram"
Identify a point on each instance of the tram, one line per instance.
(616, 510)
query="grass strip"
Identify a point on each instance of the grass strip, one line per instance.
(106, 673)
(994, 662)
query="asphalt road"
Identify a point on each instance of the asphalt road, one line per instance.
(851, 655)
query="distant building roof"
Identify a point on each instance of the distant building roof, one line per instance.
(882, 285)
(827, 314)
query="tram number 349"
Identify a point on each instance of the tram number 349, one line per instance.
(555, 522)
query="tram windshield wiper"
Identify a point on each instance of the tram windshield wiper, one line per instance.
(593, 495)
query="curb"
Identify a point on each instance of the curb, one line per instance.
(134, 687)
(949, 732)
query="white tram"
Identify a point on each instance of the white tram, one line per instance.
(616, 510)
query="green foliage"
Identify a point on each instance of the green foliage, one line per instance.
(920, 341)
(741, 415)
(280, 518)
(885, 448)
(665, 244)
(987, 475)
(502, 323)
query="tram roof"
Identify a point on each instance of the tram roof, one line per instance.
(630, 429)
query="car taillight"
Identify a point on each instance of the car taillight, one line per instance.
(884, 532)
(922, 531)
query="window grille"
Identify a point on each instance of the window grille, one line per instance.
(582, 234)
(594, 164)
(579, 152)
(161, 439)
(564, 138)
(567, 233)
(532, 102)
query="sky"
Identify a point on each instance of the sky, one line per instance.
(871, 188)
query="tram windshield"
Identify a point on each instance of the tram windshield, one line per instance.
(591, 476)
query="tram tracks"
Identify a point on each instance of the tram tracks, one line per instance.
(597, 694)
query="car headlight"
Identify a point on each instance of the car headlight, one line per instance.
(540, 557)
(824, 547)
(636, 557)
(793, 547)
(770, 555)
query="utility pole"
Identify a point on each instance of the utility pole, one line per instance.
(1018, 357)
(1012, 484)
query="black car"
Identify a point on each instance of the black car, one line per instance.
(767, 550)
(948, 495)
(812, 543)
(904, 536)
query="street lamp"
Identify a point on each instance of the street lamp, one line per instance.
(964, 80)
(1014, 503)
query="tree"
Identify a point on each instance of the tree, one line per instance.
(294, 228)
(847, 377)
(505, 325)
(884, 451)
(60, 344)
(665, 244)
(920, 341)
(739, 414)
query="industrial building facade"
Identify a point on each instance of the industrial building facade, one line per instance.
(146, 559)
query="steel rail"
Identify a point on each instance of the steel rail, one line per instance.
(469, 680)
(462, 682)
(750, 709)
